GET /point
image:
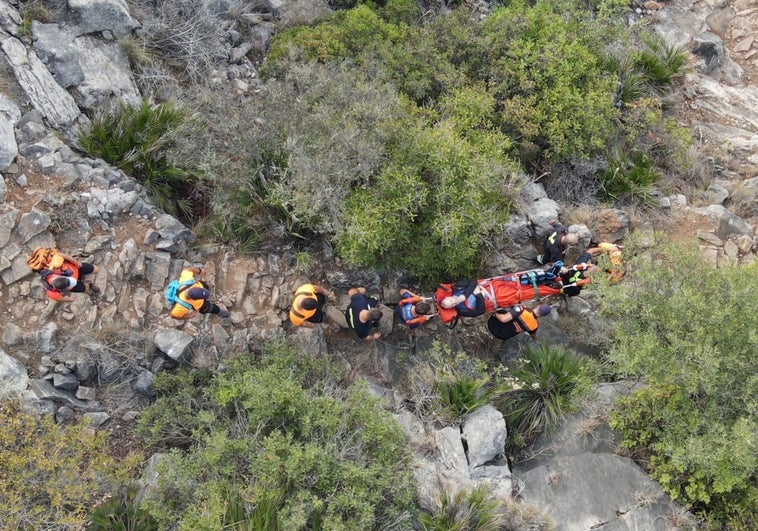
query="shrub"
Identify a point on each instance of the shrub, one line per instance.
(288, 445)
(187, 35)
(443, 386)
(136, 138)
(50, 474)
(547, 386)
(546, 70)
(680, 325)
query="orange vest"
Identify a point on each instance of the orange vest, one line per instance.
(61, 266)
(179, 311)
(526, 322)
(297, 315)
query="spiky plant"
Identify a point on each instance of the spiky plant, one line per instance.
(135, 138)
(552, 380)
(465, 510)
(461, 394)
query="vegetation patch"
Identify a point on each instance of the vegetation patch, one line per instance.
(683, 327)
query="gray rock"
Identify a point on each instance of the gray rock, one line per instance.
(48, 97)
(85, 393)
(13, 376)
(610, 225)
(577, 493)
(175, 344)
(12, 334)
(44, 390)
(96, 418)
(107, 76)
(143, 385)
(540, 213)
(531, 193)
(7, 222)
(31, 224)
(64, 415)
(9, 116)
(55, 46)
(68, 382)
(156, 268)
(310, 340)
(731, 226)
(484, 433)
(108, 16)
(150, 476)
(45, 337)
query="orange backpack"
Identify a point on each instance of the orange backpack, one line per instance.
(40, 258)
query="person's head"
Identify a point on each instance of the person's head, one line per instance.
(309, 304)
(59, 282)
(571, 239)
(542, 310)
(374, 314)
(423, 308)
(452, 301)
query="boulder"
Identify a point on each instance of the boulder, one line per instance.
(175, 344)
(9, 116)
(51, 100)
(13, 376)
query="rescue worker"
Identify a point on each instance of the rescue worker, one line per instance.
(193, 298)
(65, 274)
(308, 305)
(556, 243)
(362, 315)
(510, 322)
(413, 310)
(575, 277)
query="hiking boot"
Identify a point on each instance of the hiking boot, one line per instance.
(223, 314)
(92, 288)
(540, 259)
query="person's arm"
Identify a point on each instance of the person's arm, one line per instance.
(408, 297)
(504, 317)
(418, 320)
(69, 258)
(373, 337)
(323, 291)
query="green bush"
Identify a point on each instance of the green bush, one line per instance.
(681, 326)
(284, 424)
(51, 474)
(136, 139)
(545, 67)
(546, 386)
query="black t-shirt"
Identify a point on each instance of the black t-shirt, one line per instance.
(358, 303)
(501, 330)
(553, 248)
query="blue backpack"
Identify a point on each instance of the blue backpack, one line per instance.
(172, 292)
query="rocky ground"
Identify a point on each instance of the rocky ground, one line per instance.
(256, 289)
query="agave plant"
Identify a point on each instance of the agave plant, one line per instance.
(461, 393)
(465, 510)
(552, 380)
(136, 140)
